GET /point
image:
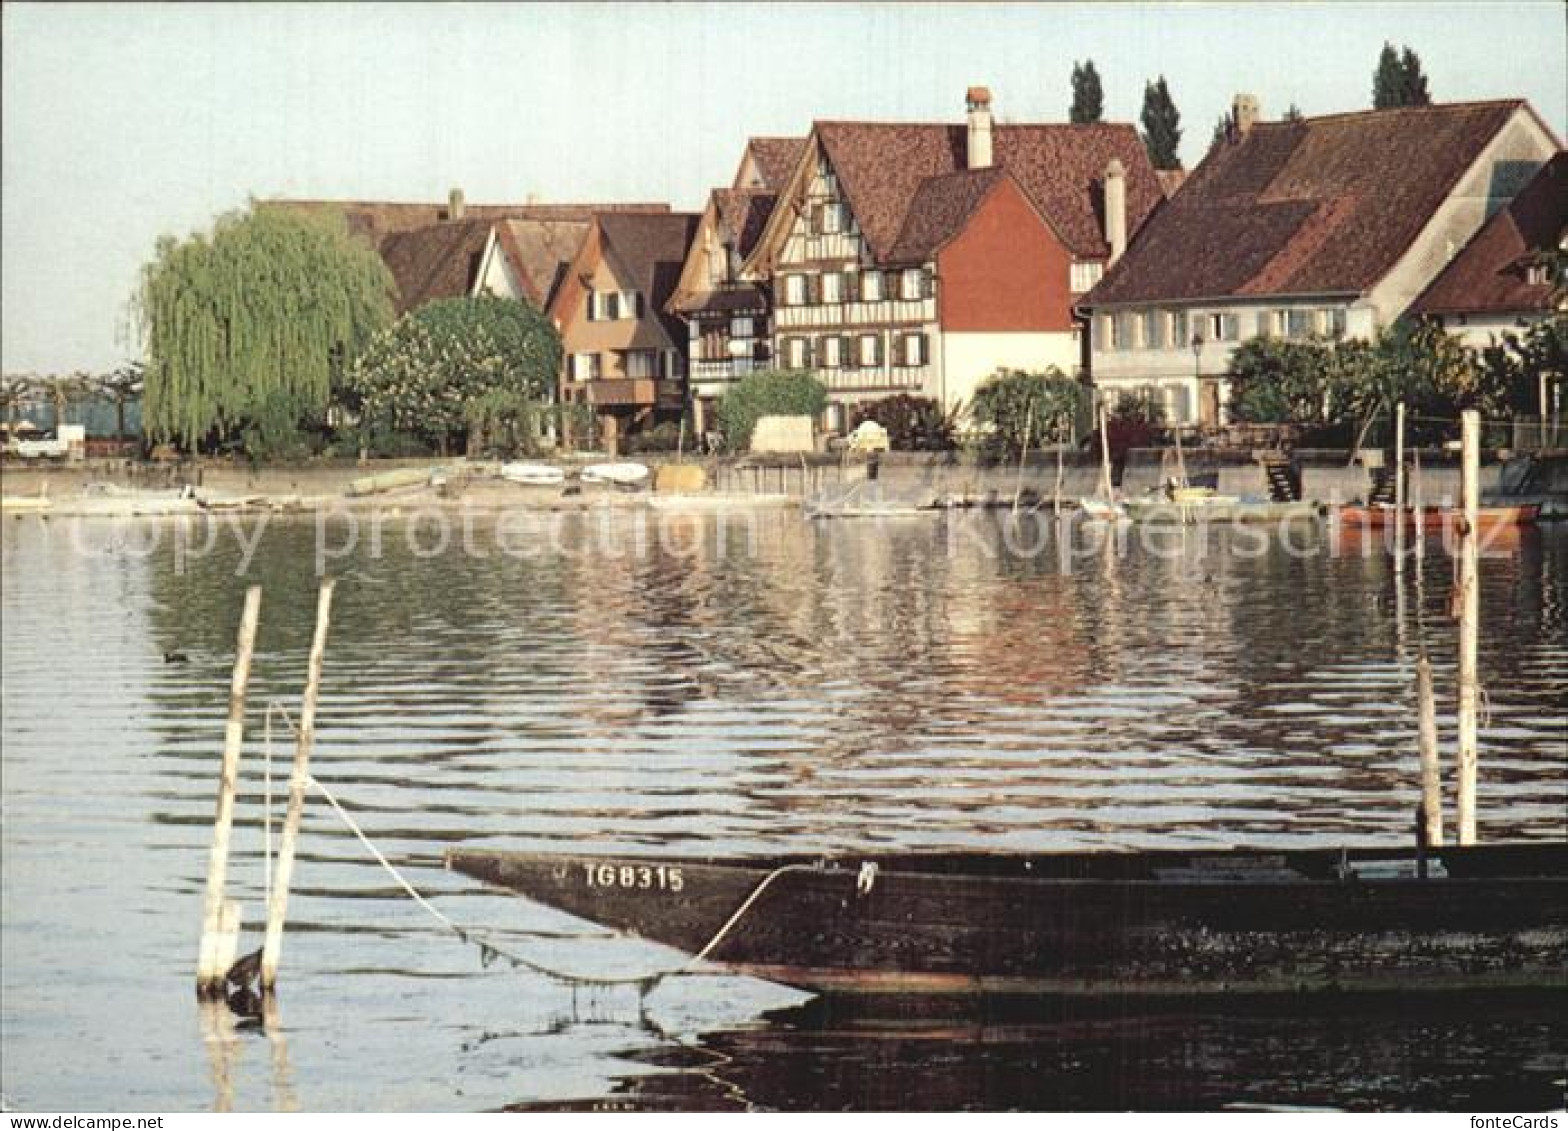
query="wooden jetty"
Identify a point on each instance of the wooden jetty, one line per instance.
(1180, 923)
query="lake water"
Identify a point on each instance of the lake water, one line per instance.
(715, 685)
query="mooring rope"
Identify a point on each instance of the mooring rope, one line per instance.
(490, 951)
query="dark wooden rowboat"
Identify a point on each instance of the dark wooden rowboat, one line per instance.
(1163, 923)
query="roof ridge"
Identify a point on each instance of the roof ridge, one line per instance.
(1430, 108)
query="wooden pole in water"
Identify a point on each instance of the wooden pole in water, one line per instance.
(1399, 489)
(1023, 453)
(210, 967)
(1469, 622)
(1105, 457)
(1056, 492)
(1431, 774)
(1416, 509)
(278, 900)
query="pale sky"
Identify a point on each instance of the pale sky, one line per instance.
(123, 122)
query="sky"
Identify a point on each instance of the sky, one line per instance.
(126, 122)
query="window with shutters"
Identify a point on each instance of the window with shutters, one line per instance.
(1298, 323)
(871, 286)
(585, 366)
(1223, 327)
(641, 363)
(912, 284)
(832, 356)
(1107, 332)
(832, 287)
(914, 349)
(1331, 321)
(1149, 330)
(871, 350)
(591, 301)
(740, 327)
(794, 290)
(1176, 329)
(795, 353)
(1126, 330)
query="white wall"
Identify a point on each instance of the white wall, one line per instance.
(969, 358)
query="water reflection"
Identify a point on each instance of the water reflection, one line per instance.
(807, 687)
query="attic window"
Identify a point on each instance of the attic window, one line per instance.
(1536, 275)
(1084, 276)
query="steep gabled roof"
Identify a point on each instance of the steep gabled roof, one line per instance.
(541, 250)
(1490, 274)
(941, 207)
(742, 214)
(650, 249)
(437, 261)
(1316, 206)
(775, 159)
(882, 166)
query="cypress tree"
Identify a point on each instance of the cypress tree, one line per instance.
(1413, 87)
(1161, 125)
(1388, 81)
(1088, 99)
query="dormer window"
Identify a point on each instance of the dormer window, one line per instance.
(1084, 276)
(1537, 275)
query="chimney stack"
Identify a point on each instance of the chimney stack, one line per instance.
(978, 100)
(454, 204)
(1245, 113)
(1115, 209)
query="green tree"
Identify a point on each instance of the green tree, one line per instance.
(768, 392)
(121, 385)
(1015, 405)
(1399, 80)
(1161, 125)
(1088, 99)
(247, 330)
(481, 367)
(1415, 88)
(912, 423)
(1279, 382)
(1523, 365)
(16, 390)
(1224, 130)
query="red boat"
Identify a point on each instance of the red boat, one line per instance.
(1489, 520)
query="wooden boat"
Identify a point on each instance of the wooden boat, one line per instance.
(620, 474)
(394, 480)
(1239, 921)
(533, 474)
(1490, 519)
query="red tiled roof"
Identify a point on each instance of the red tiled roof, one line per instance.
(438, 261)
(742, 214)
(776, 158)
(881, 167)
(652, 248)
(541, 250)
(1489, 275)
(379, 218)
(941, 207)
(1318, 206)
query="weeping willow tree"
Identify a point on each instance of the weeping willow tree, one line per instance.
(249, 329)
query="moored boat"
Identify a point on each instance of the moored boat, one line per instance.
(1181, 923)
(533, 474)
(1489, 519)
(620, 474)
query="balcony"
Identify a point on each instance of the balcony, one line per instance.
(635, 392)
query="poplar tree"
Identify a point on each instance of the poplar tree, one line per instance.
(248, 330)
(1088, 99)
(1399, 80)
(1161, 125)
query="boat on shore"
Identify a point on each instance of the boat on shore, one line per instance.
(1489, 519)
(533, 474)
(1180, 923)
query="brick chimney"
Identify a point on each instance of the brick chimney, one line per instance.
(978, 101)
(1116, 209)
(1245, 113)
(454, 204)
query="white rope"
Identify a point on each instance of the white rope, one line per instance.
(489, 950)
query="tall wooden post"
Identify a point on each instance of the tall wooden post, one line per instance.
(1431, 773)
(278, 900)
(1399, 489)
(1469, 622)
(1105, 457)
(217, 951)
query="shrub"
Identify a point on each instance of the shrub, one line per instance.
(768, 392)
(914, 424)
(1015, 405)
(664, 437)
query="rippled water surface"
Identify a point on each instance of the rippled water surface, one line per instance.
(713, 685)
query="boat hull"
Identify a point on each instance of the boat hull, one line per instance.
(1148, 923)
(1167, 512)
(1489, 520)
